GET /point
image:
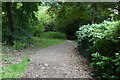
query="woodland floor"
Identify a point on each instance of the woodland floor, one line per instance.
(58, 61)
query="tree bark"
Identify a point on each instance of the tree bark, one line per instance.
(10, 21)
(119, 10)
(94, 11)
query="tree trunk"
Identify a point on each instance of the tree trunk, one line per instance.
(94, 11)
(119, 10)
(10, 21)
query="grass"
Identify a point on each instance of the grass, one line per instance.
(15, 70)
(45, 42)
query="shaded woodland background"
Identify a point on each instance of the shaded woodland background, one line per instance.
(97, 24)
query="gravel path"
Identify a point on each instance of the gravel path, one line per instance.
(58, 61)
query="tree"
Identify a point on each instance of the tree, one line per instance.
(10, 21)
(18, 25)
(75, 14)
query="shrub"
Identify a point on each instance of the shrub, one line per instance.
(104, 42)
(100, 31)
(106, 67)
(19, 45)
(54, 35)
(38, 30)
(104, 37)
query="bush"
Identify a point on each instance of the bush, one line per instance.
(104, 37)
(100, 31)
(104, 42)
(19, 45)
(54, 35)
(38, 30)
(106, 67)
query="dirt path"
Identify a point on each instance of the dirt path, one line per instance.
(58, 61)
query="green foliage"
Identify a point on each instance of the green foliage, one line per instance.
(38, 30)
(44, 19)
(98, 31)
(58, 35)
(24, 16)
(8, 59)
(105, 40)
(68, 16)
(104, 37)
(19, 45)
(42, 15)
(106, 67)
(15, 70)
